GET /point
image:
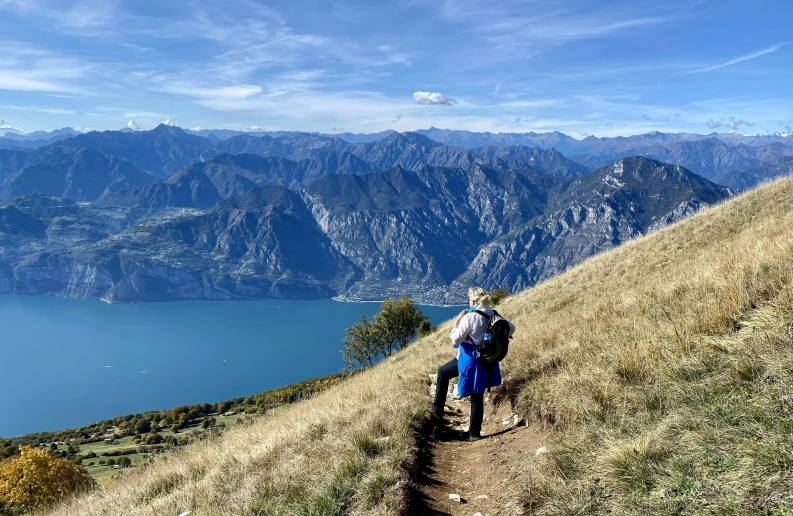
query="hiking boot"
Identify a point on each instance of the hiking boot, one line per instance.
(466, 436)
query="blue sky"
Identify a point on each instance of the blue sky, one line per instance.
(581, 67)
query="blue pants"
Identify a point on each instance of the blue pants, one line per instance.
(445, 373)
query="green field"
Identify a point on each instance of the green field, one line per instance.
(140, 455)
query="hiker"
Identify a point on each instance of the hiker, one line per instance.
(468, 334)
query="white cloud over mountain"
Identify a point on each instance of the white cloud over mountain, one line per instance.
(426, 98)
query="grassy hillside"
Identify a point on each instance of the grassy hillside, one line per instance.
(663, 368)
(98, 446)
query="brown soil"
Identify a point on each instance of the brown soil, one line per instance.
(485, 473)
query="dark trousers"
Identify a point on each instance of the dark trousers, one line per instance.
(445, 373)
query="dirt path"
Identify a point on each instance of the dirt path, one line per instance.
(485, 473)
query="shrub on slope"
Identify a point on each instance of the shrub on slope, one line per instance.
(662, 365)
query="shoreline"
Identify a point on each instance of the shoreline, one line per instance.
(338, 299)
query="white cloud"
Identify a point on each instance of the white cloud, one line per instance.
(242, 91)
(168, 122)
(83, 129)
(741, 59)
(426, 98)
(196, 129)
(253, 128)
(735, 124)
(132, 125)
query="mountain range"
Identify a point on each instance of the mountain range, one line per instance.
(135, 160)
(166, 214)
(169, 149)
(426, 233)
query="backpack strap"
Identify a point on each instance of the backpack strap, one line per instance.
(483, 314)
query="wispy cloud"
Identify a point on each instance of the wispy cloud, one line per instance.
(48, 110)
(511, 33)
(132, 125)
(741, 59)
(731, 122)
(243, 91)
(28, 68)
(80, 17)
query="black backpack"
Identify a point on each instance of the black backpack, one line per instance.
(495, 344)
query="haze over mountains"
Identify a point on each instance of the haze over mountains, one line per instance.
(165, 214)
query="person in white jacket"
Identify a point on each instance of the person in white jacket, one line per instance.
(468, 334)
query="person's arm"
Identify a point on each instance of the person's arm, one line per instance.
(459, 318)
(460, 333)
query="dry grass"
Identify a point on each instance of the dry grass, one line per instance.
(664, 366)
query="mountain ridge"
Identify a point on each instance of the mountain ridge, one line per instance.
(423, 233)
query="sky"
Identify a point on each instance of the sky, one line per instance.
(605, 68)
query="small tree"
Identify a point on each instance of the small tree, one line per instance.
(389, 330)
(143, 426)
(398, 321)
(154, 439)
(34, 479)
(362, 345)
(425, 328)
(497, 295)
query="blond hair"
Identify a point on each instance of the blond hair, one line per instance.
(479, 296)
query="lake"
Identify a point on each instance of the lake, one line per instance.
(66, 362)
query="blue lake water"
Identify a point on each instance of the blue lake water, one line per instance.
(69, 362)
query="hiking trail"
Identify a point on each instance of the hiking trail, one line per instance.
(485, 473)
